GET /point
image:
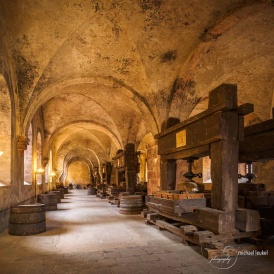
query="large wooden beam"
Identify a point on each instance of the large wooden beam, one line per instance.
(257, 147)
(224, 166)
(168, 174)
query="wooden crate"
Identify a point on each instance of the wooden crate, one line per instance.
(176, 196)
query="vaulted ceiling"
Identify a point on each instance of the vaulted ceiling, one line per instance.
(109, 72)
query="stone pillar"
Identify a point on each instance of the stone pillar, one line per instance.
(153, 167)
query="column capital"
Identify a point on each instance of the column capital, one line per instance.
(22, 144)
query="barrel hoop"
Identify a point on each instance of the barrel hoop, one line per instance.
(27, 229)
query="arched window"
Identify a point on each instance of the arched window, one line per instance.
(5, 133)
(28, 159)
(50, 171)
(39, 158)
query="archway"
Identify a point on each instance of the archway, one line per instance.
(78, 174)
(5, 133)
(28, 159)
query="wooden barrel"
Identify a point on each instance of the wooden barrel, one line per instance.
(92, 190)
(27, 220)
(57, 193)
(49, 200)
(131, 204)
(61, 191)
(65, 190)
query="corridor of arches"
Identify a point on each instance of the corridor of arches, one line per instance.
(81, 79)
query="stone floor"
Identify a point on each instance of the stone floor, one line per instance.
(88, 235)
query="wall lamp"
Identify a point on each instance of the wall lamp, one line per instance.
(52, 174)
(39, 171)
(1, 152)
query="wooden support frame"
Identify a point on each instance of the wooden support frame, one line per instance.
(215, 132)
(106, 172)
(213, 243)
(126, 162)
(258, 144)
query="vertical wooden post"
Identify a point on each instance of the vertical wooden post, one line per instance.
(224, 154)
(168, 167)
(130, 172)
(108, 172)
(168, 174)
(224, 169)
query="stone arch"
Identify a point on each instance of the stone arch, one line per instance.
(87, 155)
(79, 161)
(143, 158)
(38, 164)
(216, 60)
(94, 125)
(5, 133)
(141, 103)
(28, 159)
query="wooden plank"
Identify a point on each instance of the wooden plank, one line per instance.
(247, 220)
(270, 202)
(241, 135)
(213, 245)
(214, 220)
(152, 216)
(267, 125)
(207, 218)
(188, 230)
(267, 154)
(224, 167)
(230, 251)
(256, 201)
(188, 205)
(130, 181)
(203, 236)
(189, 218)
(165, 225)
(178, 153)
(178, 224)
(245, 109)
(258, 193)
(204, 131)
(145, 212)
(170, 122)
(161, 201)
(241, 201)
(108, 172)
(223, 97)
(251, 187)
(257, 147)
(161, 207)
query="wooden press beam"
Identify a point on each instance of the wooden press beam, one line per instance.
(215, 132)
(224, 165)
(128, 162)
(258, 143)
(130, 171)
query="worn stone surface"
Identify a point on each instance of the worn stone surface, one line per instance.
(88, 235)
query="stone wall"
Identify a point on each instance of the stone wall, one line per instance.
(153, 167)
(78, 173)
